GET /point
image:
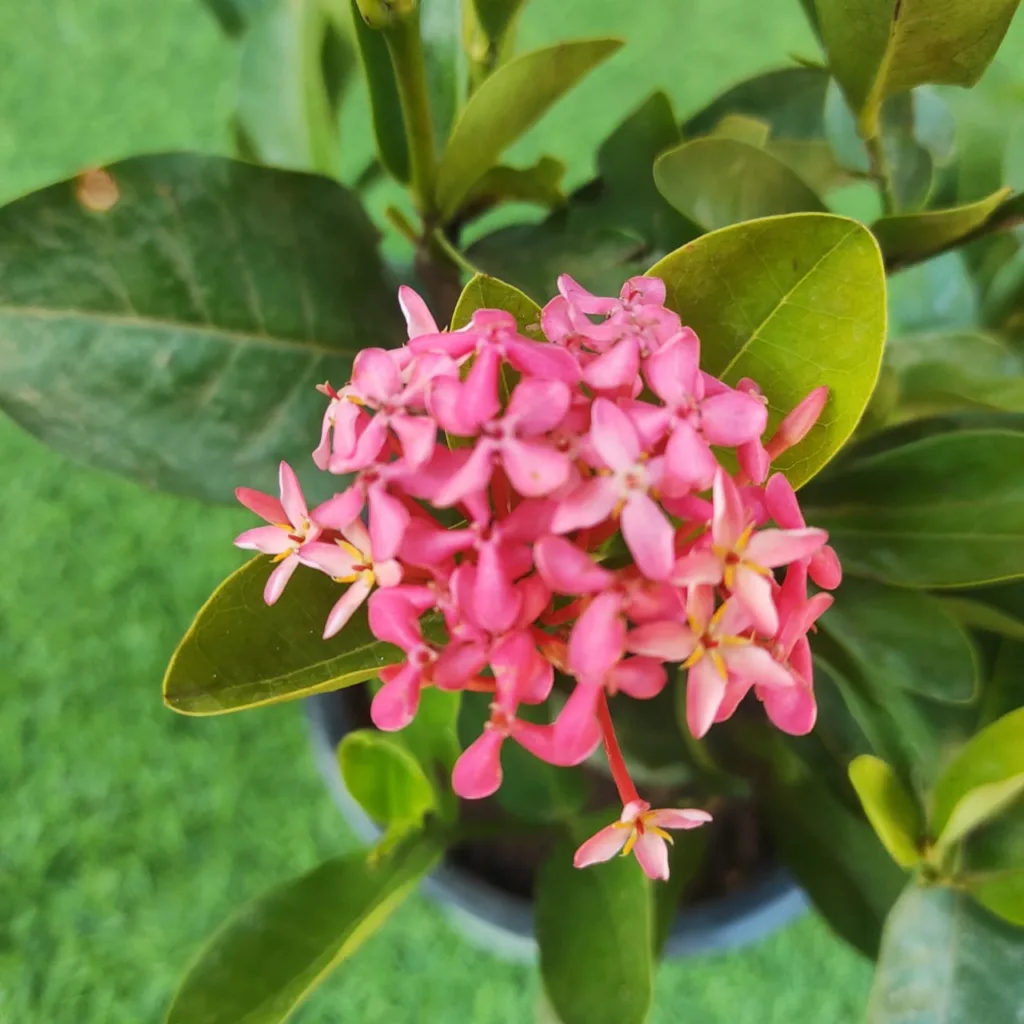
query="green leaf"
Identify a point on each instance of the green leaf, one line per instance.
(441, 32)
(483, 292)
(385, 106)
(284, 107)
(877, 48)
(233, 15)
(994, 755)
(978, 615)
(497, 16)
(993, 866)
(813, 161)
(505, 105)
(743, 128)
(540, 184)
(431, 736)
(916, 236)
(890, 808)
(720, 181)
(238, 653)
(904, 639)
(979, 806)
(684, 859)
(937, 295)
(794, 302)
(169, 318)
(893, 515)
(944, 959)
(271, 955)
(385, 780)
(594, 933)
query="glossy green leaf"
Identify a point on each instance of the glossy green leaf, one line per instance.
(909, 163)
(497, 16)
(594, 933)
(685, 858)
(890, 808)
(917, 236)
(719, 181)
(271, 955)
(936, 296)
(994, 755)
(505, 105)
(814, 161)
(904, 639)
(979, 806)
(743, 128)
(170, 320)
(794, 302)
(943, 959)
(233, 15)
(239, 653)
(540, 184)
(877, 48)
(894, 515)
(441, 33)
(385, 107)
(385, 780)
(484, 292)
(992, 867)
(284, 106)
(978, 615)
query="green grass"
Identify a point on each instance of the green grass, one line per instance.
(126, 833)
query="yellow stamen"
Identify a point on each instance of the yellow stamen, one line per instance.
(630, 842)
(692, 660)
(719, 662)
(733, 641)
(281, 557)
(744, 539)
(350, 549)
(660, 832)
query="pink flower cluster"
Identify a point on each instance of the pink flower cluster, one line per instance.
(563, 506)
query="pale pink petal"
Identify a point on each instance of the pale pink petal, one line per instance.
(700, 566)
(375, 376)
(676, 817)
(534, 469)
(613, 435)
(496, 601)
(477, 772)
(576, 730)
(418, 435)
(730, 517)
(591, 503)
(649, 536)
(458, 663)
(796, 425)
(734, 620)
(732, 418)
(322, 452)
(583, 300)
(617, 368)
(700, 606)
(389, 572)
(651, 852)
(264, 505)
(291, 495)
(473, 477)
(536, 359)
(690, 464)
(279, 578)
(705, 690)
(825, 569)
(568, 570)
(598, 638)
(417, 315)
(781, 502)
(651, 421)
(735, 691)
(537, 406)
(672, 372)
(339, 511)
(394, 704)
(667, 641)
(754, 591)
(480, 389)
(368, 446)
(790, 708)
(601, 846)
(430, 546)
(346, 606)
(388, 520)
(640, 678)
(756, 666)
(329, 558)
(770, 548)
(270, 540)
(394, 619)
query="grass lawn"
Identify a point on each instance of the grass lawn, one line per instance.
(127, 833)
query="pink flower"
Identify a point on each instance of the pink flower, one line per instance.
(783, 507)
(293, 528)
(639, 831)
(418, 318)
(623, 486)
(798, 422)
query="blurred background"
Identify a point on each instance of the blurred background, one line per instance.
(128, 833)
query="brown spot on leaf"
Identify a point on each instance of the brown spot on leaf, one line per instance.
(96, 190)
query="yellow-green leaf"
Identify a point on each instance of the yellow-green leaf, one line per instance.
(483, 292)
(889, 807)
(981, 804)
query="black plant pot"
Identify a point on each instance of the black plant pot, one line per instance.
(502, 921)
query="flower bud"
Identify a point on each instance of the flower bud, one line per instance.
(794, 428)
(385, 13)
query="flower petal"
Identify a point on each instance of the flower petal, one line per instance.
(576, 731)
(270, 540)
(388, 520)
(598, 638)
(477, 772)
(689, 463)
(730, 517)
(705, 690)
(666, 641)
(418, 435)
(332, 559)
(266, 506)
(672, 371)
(770, 548)
(339, 511)
(472, 478)
(754, 591)
(781, 501)
(568, 570)
(732, 418)
(697, 567)
(640, 678)
(480, 398)
(755, 665)
(394, 619)
(615, 369)
(278, 579)
(458, 663)
(678, 817)
(651, 852)
(291, 495)
(613, 435)
(534, 468)
(537, 359)
(347, 605)
(825, 568)
(417, 316)
(591, 503)
(375, 376)
(496, 601)
(537, 406)
(601, 846)
(394, 704)
(790, 708)
(649, 536)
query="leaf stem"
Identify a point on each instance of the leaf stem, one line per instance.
(880, 172)
(453, 254)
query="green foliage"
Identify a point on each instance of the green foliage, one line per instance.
(238, 653)
(483, 292)
(992, 868)
(801, 305)
(441, 29)
(891, 810)
(268, 958)
(234, 15)
(149, 328)
(594, 932)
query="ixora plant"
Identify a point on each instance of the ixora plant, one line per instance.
(553, 561)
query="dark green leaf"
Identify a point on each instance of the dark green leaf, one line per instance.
(169, 318)
(717, 181)
(993, 866)
(994, 755)
(441, 32)
(1004, 297)
(238, 653)
(497, 16)
(904, 639)
(594, 932)
(937, 295)
(898, 516)
(794, 302)
(893, 814)
(910, 165)
(274, 952)
(538, 184)
(233, 15)
(978, 615)
(945, 960)
(385, 107)
(743, 128)
(1005, 690)
(284, 107)
(877, 48)
(506, 105)
(385, 780)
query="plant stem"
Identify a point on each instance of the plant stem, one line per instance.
(406, 49)
(880, 172)
(452, 253)
(620, 773)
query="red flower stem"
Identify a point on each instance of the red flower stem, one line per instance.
(623, 783)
